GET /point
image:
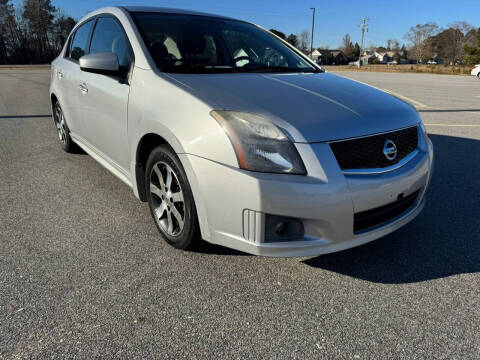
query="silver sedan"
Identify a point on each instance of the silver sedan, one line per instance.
(234, 136)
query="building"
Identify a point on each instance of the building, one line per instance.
(331, 57)
(315, 55)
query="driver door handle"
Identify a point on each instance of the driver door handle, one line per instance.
(83, 88)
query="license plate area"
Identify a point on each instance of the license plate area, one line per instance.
(370, 219)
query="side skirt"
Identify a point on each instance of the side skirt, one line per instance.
(101, 158)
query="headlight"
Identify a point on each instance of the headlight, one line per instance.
(424, 131)
(259, 144)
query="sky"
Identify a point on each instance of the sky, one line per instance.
(334, 19)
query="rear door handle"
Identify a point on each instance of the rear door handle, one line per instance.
(83, 88)
(59, 75)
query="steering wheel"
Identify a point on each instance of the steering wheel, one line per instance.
(244, 57)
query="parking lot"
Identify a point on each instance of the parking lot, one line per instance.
(84, 272)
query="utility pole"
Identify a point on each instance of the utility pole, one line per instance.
(364, 27)
(313, 28)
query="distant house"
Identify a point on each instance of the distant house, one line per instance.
(435, 60)
(339, 57)
(385, 57)
(332, 57)
(367, 58)
(315, 55)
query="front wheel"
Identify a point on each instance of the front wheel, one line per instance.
(62, 129)
(170, 198)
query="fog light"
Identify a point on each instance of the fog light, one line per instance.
(280, 228)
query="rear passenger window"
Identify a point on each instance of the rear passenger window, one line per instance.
(80, 41)
(109, 36)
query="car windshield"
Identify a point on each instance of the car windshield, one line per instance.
(183, 43)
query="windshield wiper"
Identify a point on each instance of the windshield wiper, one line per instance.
(205, 68)
(280, 69)
(196, 68)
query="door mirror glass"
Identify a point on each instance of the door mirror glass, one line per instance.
(100, 63)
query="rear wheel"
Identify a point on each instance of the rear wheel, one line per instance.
(478, 75)
(170, 198)
(62, 129)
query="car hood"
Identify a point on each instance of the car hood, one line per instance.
(311, 107)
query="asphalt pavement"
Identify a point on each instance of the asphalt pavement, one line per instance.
(84, 272)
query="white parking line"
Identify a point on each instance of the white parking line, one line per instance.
(459, 125)
(417, 104)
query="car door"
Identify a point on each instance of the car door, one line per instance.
(104, 98)
(69, 75)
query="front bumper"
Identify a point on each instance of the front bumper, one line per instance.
(236, 201)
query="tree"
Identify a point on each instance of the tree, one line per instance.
(471, 38)
(39, 15)
(62, 27)
(357, 51)
(348, 47)
(35, 33)
(293, 40)
(449, 43)
(278, 33)
(10, 38)
(304, 41)
(473, 52)
(404, 52)
(458, 41)
(396, 45)
(419, 37)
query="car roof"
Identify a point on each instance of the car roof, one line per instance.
(171, 11)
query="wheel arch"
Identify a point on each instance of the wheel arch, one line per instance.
(53, 99)
(145, 145)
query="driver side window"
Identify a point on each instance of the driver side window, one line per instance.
(108, 36)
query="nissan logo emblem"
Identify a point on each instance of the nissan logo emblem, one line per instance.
(390, 150)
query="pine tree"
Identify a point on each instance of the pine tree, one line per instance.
(9, 37)
(39, 15)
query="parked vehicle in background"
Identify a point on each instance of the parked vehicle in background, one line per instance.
(476, 71)
(232, 134)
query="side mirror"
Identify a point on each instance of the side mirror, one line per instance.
(100, 63)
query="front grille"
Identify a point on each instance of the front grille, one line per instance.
(367, 152)
(367, 220)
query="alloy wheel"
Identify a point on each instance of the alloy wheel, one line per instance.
(167, 199)
(60, 124)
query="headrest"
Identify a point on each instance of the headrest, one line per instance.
(159, 50)
(192, 44)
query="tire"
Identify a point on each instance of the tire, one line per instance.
(478, 75)
(62, 130)
(170, 198)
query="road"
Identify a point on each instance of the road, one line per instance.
(84, 273)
